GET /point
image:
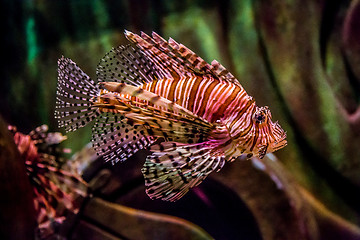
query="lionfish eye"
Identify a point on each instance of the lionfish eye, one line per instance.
(259, 117)
(106, 101)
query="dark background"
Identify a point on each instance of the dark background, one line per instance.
(300, 58)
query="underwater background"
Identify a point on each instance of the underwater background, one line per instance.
(300, 58)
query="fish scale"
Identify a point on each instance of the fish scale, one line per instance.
(200, 111)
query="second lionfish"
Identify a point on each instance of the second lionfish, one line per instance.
(156, 89)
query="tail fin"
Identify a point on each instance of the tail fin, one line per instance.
(74, 93)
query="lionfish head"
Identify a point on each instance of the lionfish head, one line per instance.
(268, 135)
(260, 135)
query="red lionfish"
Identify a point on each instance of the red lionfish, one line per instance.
(56, 192)
(155, 89)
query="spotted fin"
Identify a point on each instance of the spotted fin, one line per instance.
(174, 168)
(74, 93)
(175, 54)
(117, 138)
(126, 64)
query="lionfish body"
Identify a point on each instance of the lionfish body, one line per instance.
(161, 89)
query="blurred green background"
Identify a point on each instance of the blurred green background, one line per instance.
(300, 58)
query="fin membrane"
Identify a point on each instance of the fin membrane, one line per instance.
(125, 64)
(175, 54)
(74, 93)
(159, 54)
(117, 138)
(174, 168)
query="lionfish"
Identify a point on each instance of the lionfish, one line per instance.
(57, 192)
(155, 89)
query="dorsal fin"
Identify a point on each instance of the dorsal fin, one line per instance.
(220, 71)
(179, 55)
(159, 49)
(158, 55)
(125, 64)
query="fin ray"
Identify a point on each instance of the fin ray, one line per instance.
(126, 64)
(116, 138)
(74, 93)
(178, 55)
(171, 172)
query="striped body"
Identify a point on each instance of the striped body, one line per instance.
(207, 97)
(224, 104)
(160, 89)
